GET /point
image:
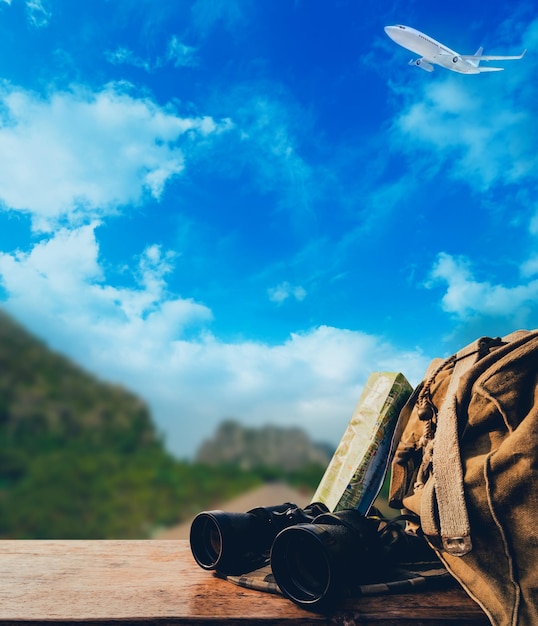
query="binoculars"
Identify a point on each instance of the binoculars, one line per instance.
(315, 555)
(235, 543)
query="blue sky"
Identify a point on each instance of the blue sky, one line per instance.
(241, 208)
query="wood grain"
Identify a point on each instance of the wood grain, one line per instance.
(158, 582)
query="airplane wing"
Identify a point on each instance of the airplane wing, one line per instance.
(491, 57)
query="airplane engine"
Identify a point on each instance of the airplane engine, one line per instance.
(456, 60)
(424, 65)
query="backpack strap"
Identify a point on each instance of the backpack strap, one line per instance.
(446, 487)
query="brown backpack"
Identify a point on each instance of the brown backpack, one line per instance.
(467, 464)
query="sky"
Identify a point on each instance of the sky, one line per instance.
(242, 208)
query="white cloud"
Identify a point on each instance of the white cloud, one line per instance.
(61, 276)
(483, 142)
(270, 134)
(180, 54)
(466, 297)
(530, 267)
(125, 56)
(312, 380)
(79, 153)
(37, 14)
(533, 223)
(177, 53)
(158, 345)
(285, 290)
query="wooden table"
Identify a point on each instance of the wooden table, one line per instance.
(158, 582)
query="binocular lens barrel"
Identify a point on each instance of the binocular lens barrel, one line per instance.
(229, 542)
(300, 564)
(232, 543)
(314, 564)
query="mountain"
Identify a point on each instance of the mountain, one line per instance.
(73, 449)
(45, 396)
(81, 458)
(268, 446)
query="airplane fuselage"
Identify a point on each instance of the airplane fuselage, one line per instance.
(433, 52)
(429, 49)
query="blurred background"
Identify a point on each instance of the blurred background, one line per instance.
(81, 458)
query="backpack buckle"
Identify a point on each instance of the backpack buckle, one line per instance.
(457, 546)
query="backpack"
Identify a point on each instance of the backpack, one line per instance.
(466, 462)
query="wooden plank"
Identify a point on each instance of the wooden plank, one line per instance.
(157, 582)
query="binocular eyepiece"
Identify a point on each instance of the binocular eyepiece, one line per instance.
(235, 543)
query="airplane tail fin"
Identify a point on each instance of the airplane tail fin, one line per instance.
(475, 62)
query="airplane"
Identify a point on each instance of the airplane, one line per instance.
(432, 51)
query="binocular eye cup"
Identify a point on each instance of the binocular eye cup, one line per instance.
(313, 564)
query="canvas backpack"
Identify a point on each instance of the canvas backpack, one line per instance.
(466, 462)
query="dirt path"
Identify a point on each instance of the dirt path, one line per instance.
(267, 495)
